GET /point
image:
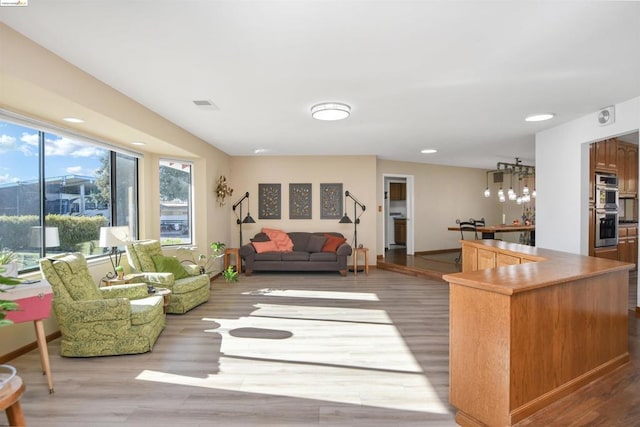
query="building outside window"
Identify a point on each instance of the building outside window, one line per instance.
(67, 185)
(176, 202)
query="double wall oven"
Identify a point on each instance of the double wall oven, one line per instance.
(606, 218)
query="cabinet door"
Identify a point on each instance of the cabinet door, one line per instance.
(504, 259)
(621, 161)
(592, 171)
(600, 155)
(611, 147)
(486, 259)
(397, 191)
(631, 170)
(623, 250)
(608, 253)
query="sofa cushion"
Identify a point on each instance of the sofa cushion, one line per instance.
(295, 256)
(332, 243)
(268, 246)
(323, 256)
(300, 240)
(260, 237)
(316, 243)
(167, 264)
(281, 239)
(269, 256)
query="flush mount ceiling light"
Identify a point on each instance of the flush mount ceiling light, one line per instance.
(138, 143)
(540, 117)
(428, 151)
(73, 120)
(330, 111)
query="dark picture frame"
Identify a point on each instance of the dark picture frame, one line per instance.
(269, 201)
(300, 201)
(331, 201)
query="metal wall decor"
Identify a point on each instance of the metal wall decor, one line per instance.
(299, 201)
(269, 197)
(331, 201)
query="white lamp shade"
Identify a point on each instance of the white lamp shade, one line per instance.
(52, 238)
(114, 236)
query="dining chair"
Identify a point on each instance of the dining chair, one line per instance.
(466, 227)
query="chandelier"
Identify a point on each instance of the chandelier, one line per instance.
(523, 174)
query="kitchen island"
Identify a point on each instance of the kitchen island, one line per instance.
(529, 326)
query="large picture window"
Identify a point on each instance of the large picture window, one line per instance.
(65, 185)
(175, 202)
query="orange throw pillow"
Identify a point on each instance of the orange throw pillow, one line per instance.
(280, 238)
(332, 243)
(261, 247)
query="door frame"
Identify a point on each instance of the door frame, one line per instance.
(410, 210)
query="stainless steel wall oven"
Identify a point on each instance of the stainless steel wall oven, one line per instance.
(606, 217)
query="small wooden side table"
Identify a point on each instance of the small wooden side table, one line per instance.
(10, 401)
(166, 295)
(227, 261)
(356, 252)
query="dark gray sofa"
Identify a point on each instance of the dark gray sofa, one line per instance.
(306, 255)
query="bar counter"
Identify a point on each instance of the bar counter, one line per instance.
(529, 326)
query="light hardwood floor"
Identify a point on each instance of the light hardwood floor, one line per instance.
(292, 350)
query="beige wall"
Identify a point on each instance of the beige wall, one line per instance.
(64, 90)
(356, 173)
(442, 194)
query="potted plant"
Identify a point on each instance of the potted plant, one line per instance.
(8, 271)
(206, 263)
(230, 274)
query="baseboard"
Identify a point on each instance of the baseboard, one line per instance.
(439, 251)
(27, 348)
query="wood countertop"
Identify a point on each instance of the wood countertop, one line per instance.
(544, 267)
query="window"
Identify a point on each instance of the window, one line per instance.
(65, 184)
(175, 203)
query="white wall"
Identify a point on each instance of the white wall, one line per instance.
(562, 169)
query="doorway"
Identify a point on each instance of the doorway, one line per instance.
(397, 213)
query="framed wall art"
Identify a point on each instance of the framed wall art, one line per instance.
(299, 201)
(269, 197)
(331, 201)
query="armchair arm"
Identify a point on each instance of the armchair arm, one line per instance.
(192, 269)
(96, 310)
(130, 291)
(164, 280)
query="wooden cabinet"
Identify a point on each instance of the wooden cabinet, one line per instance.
(606, 153)
(628, 244)
(400, 231)
(610, 252)
(397, 191)
(627, 161)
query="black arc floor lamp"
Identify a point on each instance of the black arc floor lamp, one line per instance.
(248, 219)
(346, 220)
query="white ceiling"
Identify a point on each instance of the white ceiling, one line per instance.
(455, 76)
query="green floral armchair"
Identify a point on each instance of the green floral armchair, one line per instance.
(188, 288)
(121, 319)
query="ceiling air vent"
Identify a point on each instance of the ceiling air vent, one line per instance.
(205, 104)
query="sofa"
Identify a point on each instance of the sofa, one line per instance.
(188, 288)
(309, 252)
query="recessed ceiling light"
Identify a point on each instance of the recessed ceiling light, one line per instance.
(330, 111)
(73, 120)
(260, 150)
(428, 151)
(138, 143)
(540, 117)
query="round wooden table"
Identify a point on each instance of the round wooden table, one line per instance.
(10, 401)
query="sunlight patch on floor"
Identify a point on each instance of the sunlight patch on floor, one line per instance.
(293, 293)
(392, 390)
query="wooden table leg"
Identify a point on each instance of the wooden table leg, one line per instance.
(44, 351)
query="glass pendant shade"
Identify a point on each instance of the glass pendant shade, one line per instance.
(487, 193)
(525, 190)
(501, 193)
